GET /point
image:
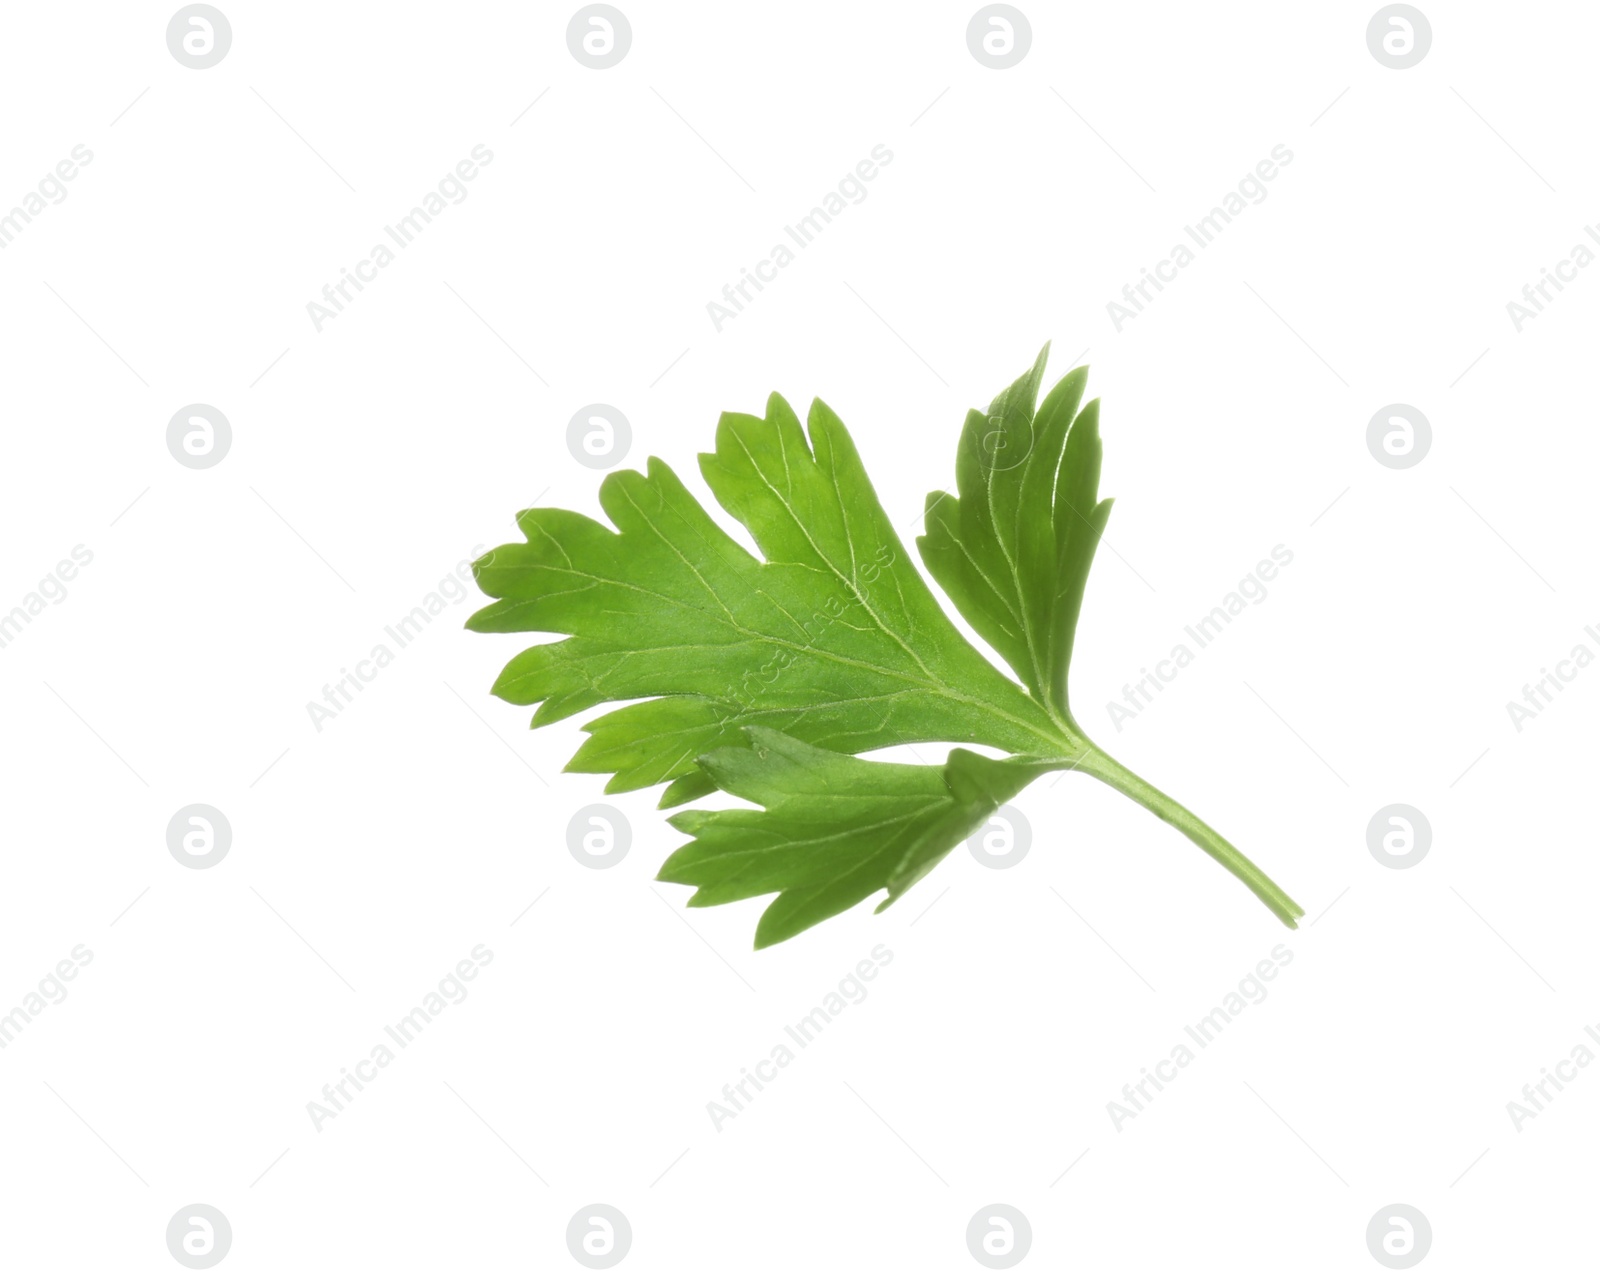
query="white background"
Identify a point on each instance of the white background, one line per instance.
(372, 457)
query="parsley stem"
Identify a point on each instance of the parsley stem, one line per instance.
(1113, 773)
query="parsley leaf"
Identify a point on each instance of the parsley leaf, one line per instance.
(1013, 551)
(835, 829)
(765, 676)
(834, 638)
